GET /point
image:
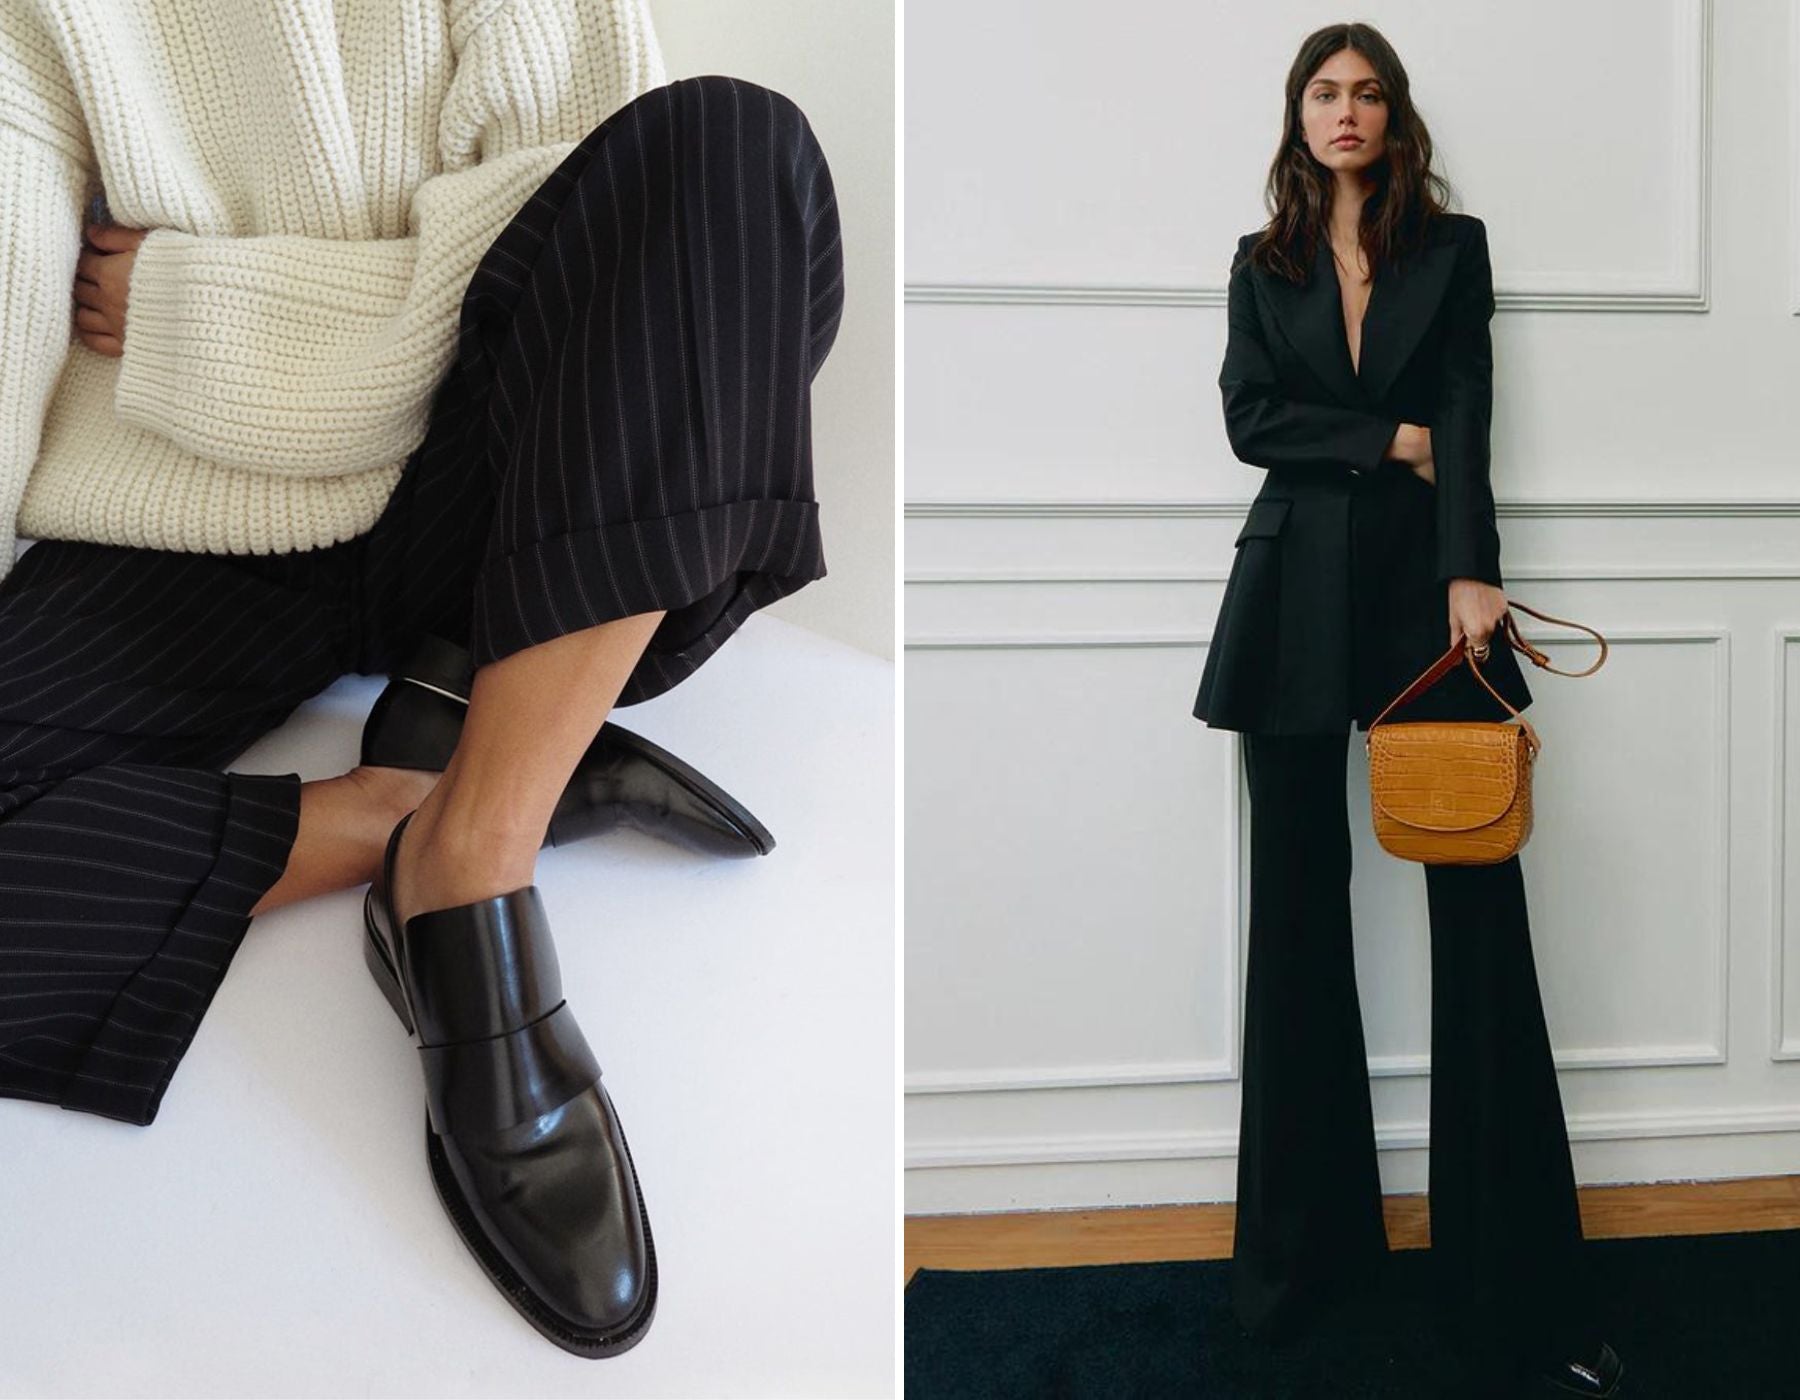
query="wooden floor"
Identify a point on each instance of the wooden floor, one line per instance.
(1043, 1239)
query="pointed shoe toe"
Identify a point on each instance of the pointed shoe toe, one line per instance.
(525, 1148)
(622, 780)
(625, 780)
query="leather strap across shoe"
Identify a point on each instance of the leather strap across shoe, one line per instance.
(525, 1148)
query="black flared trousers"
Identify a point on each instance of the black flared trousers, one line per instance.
(1506, 1238)
(625, 428)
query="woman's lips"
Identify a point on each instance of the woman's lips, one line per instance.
(1348, 141)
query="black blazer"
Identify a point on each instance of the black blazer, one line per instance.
(1339, 591)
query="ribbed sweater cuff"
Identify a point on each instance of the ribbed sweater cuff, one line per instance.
(210, 324)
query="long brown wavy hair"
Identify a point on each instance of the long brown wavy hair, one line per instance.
(1408, 193)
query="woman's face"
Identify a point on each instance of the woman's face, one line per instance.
(1343, 113)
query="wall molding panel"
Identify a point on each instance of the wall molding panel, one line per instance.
(1228, 821)
(1412, 1135)
(1784, 1043)
(1683, 287)
(1233, 509)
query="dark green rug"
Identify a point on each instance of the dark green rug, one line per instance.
(1698, 1317)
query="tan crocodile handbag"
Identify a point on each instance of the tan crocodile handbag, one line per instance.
(1458, 792)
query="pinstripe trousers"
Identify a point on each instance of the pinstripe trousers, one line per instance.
(625, 428)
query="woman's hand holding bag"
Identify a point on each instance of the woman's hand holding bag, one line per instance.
(1458, 792)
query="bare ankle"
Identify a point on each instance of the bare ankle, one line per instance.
(396, 791)
(476, 822)
(443, 865)
(454, 834)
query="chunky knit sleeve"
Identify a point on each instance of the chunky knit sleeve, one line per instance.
(319, 357)
(44, 160)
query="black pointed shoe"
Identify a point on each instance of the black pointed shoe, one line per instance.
(622, 780)
(526, 1152)
(1596, 1375)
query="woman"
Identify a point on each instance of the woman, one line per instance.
(469, 349)
(1358, 375)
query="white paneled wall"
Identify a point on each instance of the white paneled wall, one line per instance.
(1076, 841)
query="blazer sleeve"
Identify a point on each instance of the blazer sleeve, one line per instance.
(1268, 429)
(312, 356)
(1468, 541)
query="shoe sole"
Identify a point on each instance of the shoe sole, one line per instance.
(503, 1276)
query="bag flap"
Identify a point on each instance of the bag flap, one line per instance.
(1265, 520)
(1445, 776)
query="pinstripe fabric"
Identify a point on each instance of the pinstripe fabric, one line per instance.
(626, 428)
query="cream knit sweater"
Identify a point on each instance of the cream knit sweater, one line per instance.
(321, 178)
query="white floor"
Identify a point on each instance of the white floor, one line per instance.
(275, 1232)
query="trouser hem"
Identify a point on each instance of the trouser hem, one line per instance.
(707, 569)
(127, 1067)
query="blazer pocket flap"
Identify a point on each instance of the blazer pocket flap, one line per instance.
(1264, 521)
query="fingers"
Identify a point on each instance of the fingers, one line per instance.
(88, 319)
(93, 280)
(1476, 632)
(94, 302)
(101, 280)
(1478, 635)
(114, 238)
(109, 345)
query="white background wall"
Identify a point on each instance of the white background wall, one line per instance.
(836, 61)
(1076, 842)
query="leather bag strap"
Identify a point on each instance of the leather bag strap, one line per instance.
(1463, 652)
(1538, 658)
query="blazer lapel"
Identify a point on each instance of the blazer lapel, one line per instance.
(1312, 318)
(1402, 302)
(1404, 299)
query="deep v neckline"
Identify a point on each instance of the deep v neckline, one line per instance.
(1360, 356)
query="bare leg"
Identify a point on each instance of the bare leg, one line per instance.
(345, 823)
(531, 717)
(480, 823)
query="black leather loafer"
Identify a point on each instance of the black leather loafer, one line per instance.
(1596, 1375)
(622, 780)
(526, 1152)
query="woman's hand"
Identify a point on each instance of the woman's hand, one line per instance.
(102, 282)
(1412, 445)
(1475, 611)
